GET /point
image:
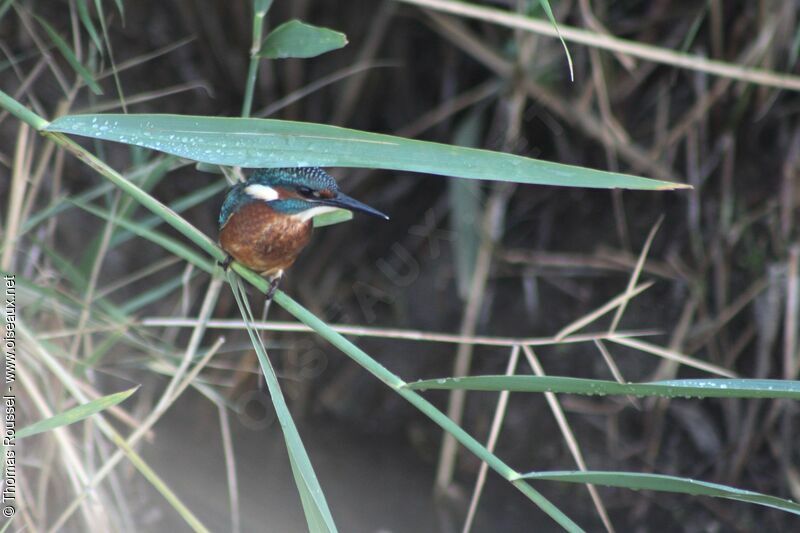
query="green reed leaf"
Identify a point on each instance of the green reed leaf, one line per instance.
(298, 39)
(262, 143)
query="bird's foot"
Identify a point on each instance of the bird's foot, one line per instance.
(226, 263)
(273, 286)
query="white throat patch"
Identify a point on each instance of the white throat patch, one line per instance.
(262, 192)
(308, 214)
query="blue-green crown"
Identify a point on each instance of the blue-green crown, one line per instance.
(313, 178)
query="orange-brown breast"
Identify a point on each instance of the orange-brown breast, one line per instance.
(264, 240)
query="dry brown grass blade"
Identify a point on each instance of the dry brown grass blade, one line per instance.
(230, 467)
(583, 119)
(569, 437)
(92, 511)
(707, 331)
(595, 25)
(449, 108)
(42, 165)
(144, 58)
(139, 98)
(455, 407)
(674, 356)
(611, 260)
(614, 44)
(702, 105)
(25, 86)
(369, 49)
(97, 265)
(791, 355)
(144, 428)
(494, 433)
(634, 279)
(207, 307)
(602, 310)
(793, 480)
(25, 17)
(143, 273)
(615, 372)
(19, 178)
(384, 333)
(302, 92)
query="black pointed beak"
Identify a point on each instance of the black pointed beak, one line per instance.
(351, 204)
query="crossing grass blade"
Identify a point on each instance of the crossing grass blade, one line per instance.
(166, 242)
(69, 55)
(88, 24)
(53, 365)
(280, 298)
(179, 206)
(102, 349)
(157, 292)
(549, 12)
(263, 143)
(465, 197)
(4, 7)
(78, 282)
(8, 523)
(61, 204)
(318, 515)
(75, 414)
(663, 483)
(679, 388)
(121, 9)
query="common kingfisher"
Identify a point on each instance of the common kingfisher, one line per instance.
(266, 221)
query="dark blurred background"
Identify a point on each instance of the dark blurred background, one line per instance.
(722, 258)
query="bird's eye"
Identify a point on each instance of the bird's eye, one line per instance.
(308, 192)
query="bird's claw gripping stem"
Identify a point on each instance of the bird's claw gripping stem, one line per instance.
(273, 286)
(226, 263)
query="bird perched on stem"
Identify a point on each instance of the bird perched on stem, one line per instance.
(266, 221)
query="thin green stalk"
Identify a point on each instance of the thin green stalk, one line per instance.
(22, 112)
(252, 75)
(260, 9)
(305, 316)
(427, 408)
(99, 7)
(318, 515)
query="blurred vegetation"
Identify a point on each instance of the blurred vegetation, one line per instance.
(701, 283)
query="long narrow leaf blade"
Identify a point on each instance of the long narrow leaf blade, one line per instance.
(88, 24)
(262, 143)
(465, 198)
(318, 515)
(168, 243)
(549, 12)
(662, 483)
(69, 55)
(75, 414)
(680, 388)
